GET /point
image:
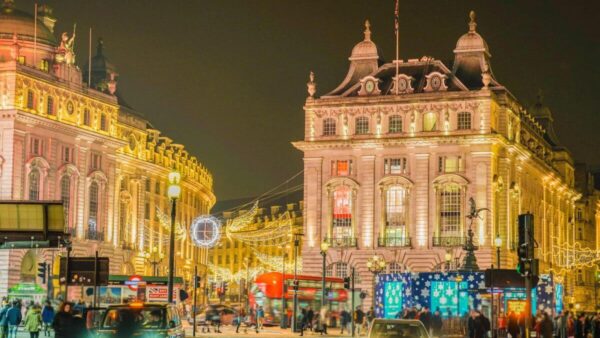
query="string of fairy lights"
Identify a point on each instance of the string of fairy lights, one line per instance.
(568, 257)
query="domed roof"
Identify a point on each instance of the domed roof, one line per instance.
(471, 41)
(365, 49)
(14, 21)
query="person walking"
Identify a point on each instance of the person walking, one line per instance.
(3, 320)
(33, 321)
(310, 316)
(425, 318)
(63, 321)
(323, 316)
(359, 318)
(436, 323)
(546, 326)
(370, 317)
(47, 317)
(14, 318)
(240, 319)
(344, 321)
(301, 320)
(260, 315)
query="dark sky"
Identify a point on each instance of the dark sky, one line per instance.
(228, 78)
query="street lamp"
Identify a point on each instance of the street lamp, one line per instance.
(154, 258)
(448, 259)
(498, 244)
(376, 265)
(324, 248)
(283, 323)
(173, 192)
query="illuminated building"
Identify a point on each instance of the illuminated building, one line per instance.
(390, 164)
(238, 257)
(63, 140)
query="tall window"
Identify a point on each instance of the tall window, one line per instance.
(342, 212)
(329, 127)
(450, 199)
(395, 166)
(396, 212)
(67, 154)
(450, 164)
(34, 185)
(37, 146)
(30, 99)
(96, 160)
(50, 106)
(395, 124)
(93, 207)
(86, 117)
(464, 120)
(103, 123)
(341, 168)
(429, 122)
(362, 125)
(123, 206)
(65, 193)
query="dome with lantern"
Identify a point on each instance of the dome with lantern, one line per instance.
(22, 24)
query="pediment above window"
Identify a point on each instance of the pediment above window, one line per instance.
(450, 179)
(340, 181)
(395, 180)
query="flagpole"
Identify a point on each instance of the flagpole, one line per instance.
(397, 28)
(35, 13)
(90, 60)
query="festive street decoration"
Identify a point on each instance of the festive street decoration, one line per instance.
(165, 222)
(453, 293)
(245, 228)
(220, 274)
(568, 257)
(205, 231)
(275, 263)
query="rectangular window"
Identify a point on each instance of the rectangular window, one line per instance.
(464, 120)
(96, 161)
(342, 212)
(341, 168)
(450, 206)
(147, 210)
(67, 154)
(396, 166)
(37, 146)
(30, 99)
(362, 125)
(227, 259)
(148, 185)
(103, 123)
(21, 59)
(450, 164)
(50, 106)
(86, 117)
(395, 126)
(157, 187)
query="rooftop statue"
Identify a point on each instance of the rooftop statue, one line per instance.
(66, 50)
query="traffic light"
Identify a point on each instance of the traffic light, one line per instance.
(42, 267)
(296, 285)
(197, 281)
(347, 283)
(527, 265)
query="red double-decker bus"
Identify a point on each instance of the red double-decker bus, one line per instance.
(267, 289)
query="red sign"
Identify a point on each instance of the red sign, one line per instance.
(133, 282)
(157, 293)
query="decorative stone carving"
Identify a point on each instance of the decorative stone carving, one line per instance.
(311, 85)
(369, 85)
(402, 84)
(435, 82)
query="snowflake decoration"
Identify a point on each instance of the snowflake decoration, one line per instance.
(425, 293)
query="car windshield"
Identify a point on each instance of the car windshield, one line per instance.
(398, 330)
(144, 318)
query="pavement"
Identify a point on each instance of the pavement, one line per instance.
(275, 332)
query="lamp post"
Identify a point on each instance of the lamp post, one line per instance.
(173, 193)
(376, 265)
(295, 304)
(154, 258)
(283, 323)
(324, 248)
(448, 259)
(498, 244)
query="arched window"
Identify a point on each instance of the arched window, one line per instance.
(396, 216)
(342, 216)
(329, 127)
(341, 269)
(93, 208)
(395, 268)
(65, 194)
(429, 122)
(34, 185)
(362, 125)
(450, 210)
(464, 121)
(395, 124)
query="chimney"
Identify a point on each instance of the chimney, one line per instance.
(45, 16)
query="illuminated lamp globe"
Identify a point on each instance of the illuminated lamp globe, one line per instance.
(448, 256)
(324, 246)
(174, 191)
(498, 241)
(174, 177)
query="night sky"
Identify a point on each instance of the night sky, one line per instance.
(228, 78)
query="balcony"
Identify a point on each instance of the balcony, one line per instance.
(394, 241)
(449, 241)
(341, 242)
(94, 235)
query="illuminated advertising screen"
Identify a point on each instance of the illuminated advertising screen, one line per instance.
(516, 306)
(392, 301)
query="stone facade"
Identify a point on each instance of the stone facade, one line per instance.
(394, 153)
(63, 140)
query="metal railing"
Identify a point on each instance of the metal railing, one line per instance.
(449, 241)
(341, 242)
(402, 241)
(94, 235)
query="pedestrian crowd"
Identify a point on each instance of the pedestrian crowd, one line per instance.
(67, 322)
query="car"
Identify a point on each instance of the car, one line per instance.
(154, 320)
(228, 316)
(397, 328)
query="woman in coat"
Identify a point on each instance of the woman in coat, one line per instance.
(33, 321)
(63, 321)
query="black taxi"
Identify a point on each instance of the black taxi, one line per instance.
(147, 320)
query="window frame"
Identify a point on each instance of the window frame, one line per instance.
(435, 121)
(329, 127)
(463, 123)
(395, 120)
(361, 125)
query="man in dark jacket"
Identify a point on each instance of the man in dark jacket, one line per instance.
(3, 321)
(425, 318)
(546, 326)
(13, 319)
